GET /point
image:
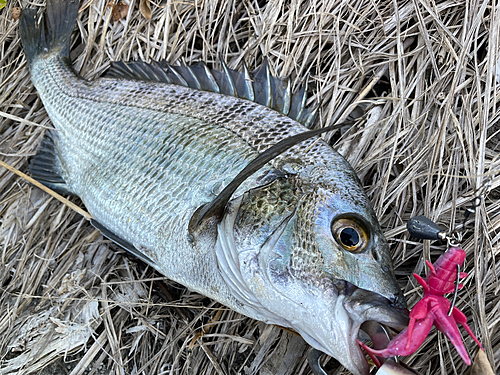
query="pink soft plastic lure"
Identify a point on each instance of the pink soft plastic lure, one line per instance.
(432, 309)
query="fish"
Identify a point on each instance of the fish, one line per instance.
(215, 179)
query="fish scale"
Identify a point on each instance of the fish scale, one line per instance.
(97, 163)
(213, 189)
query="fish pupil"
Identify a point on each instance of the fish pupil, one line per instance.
(349, 237)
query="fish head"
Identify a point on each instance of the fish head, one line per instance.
(312, 258)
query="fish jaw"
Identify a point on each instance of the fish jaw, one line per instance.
(333, 326)
(329, 314)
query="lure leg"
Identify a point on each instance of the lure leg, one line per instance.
(422, 282)
(431, 267)
(449, 327)
(371, 353)
(419, 311)
(460, 317)
(398, 344)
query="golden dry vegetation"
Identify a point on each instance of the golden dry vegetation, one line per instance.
(421, 78)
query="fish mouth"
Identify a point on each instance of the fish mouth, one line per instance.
(369, 313)
(359, 314)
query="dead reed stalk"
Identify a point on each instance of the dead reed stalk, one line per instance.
(420, 77)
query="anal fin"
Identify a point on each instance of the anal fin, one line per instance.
(45, 166)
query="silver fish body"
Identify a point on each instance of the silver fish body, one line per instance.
(298, 245)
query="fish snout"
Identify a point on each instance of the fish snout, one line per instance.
(363, 305)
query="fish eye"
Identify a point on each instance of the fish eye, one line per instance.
(351, 234)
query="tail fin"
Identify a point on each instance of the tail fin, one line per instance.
(51, 34)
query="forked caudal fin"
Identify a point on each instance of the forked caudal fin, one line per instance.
(52, 33)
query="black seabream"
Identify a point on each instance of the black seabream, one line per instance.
(195, 171)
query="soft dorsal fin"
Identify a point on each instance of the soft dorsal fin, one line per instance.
(215, 209)
(259, 86)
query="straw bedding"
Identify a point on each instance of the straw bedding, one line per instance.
(421, 79)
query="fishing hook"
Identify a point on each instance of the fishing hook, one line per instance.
(455, 294)
(313, 357)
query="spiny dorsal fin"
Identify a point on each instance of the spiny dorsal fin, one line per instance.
(259, 86)
(263, 85)
(299, 102)
(190, 77)
(245, 81)
(273, 92)
(176, 76)
(227, 80)
(202, 74)
(214, 210)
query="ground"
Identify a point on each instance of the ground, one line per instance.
(418, 78)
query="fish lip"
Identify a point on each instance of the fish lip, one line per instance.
(362, 305)
(357, 355)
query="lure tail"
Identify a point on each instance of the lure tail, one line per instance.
(52, 32)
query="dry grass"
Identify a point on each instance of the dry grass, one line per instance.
(428, 143)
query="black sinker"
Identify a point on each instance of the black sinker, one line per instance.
(349, 237)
